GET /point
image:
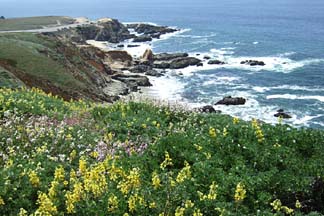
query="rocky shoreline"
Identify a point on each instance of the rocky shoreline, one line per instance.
(127, 73)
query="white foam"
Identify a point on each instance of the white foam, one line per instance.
(167, 88)
(304, 120)
(262, 89)
(255, 42)
(220, 80)
(278, 63)
(296, 97)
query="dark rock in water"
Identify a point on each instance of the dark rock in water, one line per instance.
(148, 29)
(179, 63)
(161, 65)
(200, 64)
(142, 39)
(253, 62)
(231, 101)
(208, 109)
(132, 80)
(148, 56)
(132, 45)
(198, 54)
(121, 45)
(169, 56)
(153, 73)
(140, 68)
(281, 113)
(216, 62)
(207, 57)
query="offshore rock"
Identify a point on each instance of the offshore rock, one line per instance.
(229, 100)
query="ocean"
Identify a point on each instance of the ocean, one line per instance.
(288, 35)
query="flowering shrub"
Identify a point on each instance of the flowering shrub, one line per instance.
(80, 158)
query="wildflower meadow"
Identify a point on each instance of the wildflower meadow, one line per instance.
(82, 158)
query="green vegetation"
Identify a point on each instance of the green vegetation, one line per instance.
(33, 22)
(60, 158)
(24, 52)
(8, 80)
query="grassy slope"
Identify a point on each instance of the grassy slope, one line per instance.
(32, 22)
(8, 80)
(23, 49)
(271, 162)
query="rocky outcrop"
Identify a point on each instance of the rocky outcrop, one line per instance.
(148, 56)
(132, 45)
(110, 30)
(140, 68)
(282, 114)
(118, 59)
(143, 38)
(207, 57)
(133, 81)
(218, 62)
(207, 109)
(184, 62)
(253, 62)
(151, 30)
(169, 56)
(174, 61)
(2, 17)
(229, 100)
(153, 73)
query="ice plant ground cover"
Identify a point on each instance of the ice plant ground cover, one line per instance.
(81, 158)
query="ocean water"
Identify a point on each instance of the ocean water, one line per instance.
(288, 35)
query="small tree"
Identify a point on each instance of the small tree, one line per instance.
(2, 17)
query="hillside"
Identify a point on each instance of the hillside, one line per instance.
(27, 23)
(61, 61)
(131, 158)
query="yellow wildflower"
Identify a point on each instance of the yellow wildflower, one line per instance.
(212, 132)
(236, 120)
(167, 161)
(52, 190)
(156, 182)
(197, 212)
(287, 210)
(225, 133)
(82, 165)
(112, 203)
(179, 211)
(33, 178)
(212, 191)
(73, 155)
(184, 174)
(1, 201)
(59, 173)
(22, 212)
(46, 206)
(276, 204)
(152, 205)
(298, 204)
(189, 204)
(198, 147)
(240, 192)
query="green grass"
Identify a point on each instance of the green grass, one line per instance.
(8, 80)
(33, 22)
(24, 49)
(90, 159)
